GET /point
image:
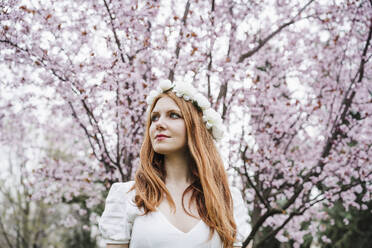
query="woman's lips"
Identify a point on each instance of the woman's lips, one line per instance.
(161, 137)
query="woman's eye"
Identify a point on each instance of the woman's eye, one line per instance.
(154, 118)
(174, 115)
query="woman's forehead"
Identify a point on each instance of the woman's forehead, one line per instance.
(165, 103)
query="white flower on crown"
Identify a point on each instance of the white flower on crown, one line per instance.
(151, 97)
(202, 101)
(186, 91)
(212, 118)
(214, 121)
(218, 131)
(165, 85)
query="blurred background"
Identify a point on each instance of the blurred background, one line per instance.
(291, 79)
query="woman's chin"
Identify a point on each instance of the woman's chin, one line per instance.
(163, 151)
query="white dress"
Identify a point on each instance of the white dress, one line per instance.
(122, 223)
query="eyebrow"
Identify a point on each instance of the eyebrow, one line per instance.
(170, 110)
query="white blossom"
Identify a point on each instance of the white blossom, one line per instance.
(212, 116)
(202, 101)
(218, 131)
(165, 85)
(151, 97)
(185, 89)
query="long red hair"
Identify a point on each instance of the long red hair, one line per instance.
(210, 188)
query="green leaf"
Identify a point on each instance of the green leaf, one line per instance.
(352, 143)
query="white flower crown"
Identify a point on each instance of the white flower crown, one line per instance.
(186, 91)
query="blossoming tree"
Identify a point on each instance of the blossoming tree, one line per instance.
(294, 76)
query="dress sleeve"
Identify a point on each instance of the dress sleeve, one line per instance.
(116, 221)
(241, 217)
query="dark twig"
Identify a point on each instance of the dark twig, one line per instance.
(270, 36)
(114, 32)
(178, 46)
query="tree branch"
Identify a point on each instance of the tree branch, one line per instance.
(259, 223)
(115, 34)
(178, 46)
(270, 36)
(210, 56)
(5, 234)
(251, 183)
(347, 101)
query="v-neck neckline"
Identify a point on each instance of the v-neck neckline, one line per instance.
(176, 228)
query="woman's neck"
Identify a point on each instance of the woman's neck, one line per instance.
(177, 168)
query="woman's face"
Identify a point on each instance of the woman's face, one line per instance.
(167, 129)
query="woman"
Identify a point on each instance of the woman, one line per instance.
(180, 196)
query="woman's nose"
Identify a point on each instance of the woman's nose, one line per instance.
(160, 123)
